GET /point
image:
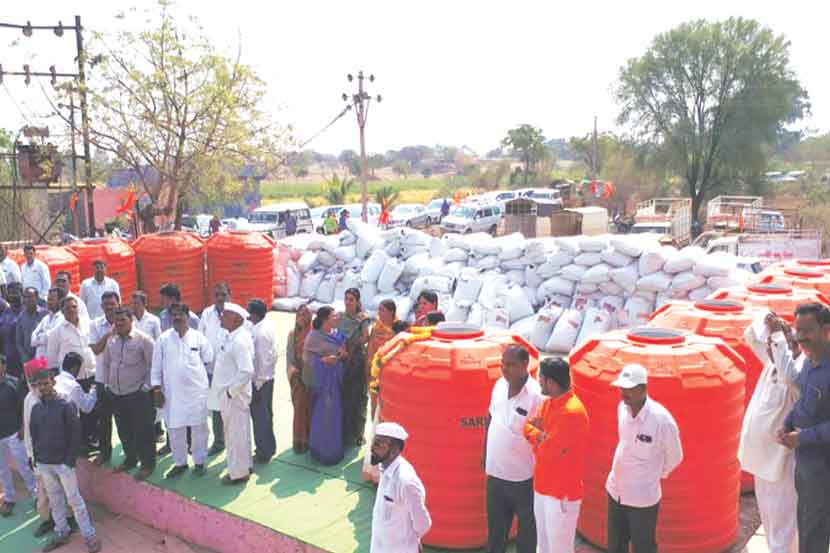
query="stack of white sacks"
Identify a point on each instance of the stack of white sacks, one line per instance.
(555, 291)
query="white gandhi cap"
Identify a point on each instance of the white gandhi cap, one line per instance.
(391, 430)
(631, 376)
(238, 309)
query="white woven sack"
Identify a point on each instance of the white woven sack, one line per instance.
(326, 258)
(437, 247)
(586, 288)
(345, 253)
(516, 277)
(346, 238)
(615, 258)
(611, 288)
(455, 240)
(563, 336)
(662, 299)
(476, 316)
(492, 290)
(415, 263)
(597, 274)
(393, 248)
(560, 300)
(560, 258)
(439, 284)
(455, 254)
(556, 285)
(512, 250)
(413, 237)
(524, 327)
(573, 272)
(467, 288)
(350, 279)
(651, 261)
(613, 305)
(483, 244)
(307, 261)
(636, 312)
(403, 307)
(700, 293)
(683, 260)
(532, 278)
(517, 264)
(568, 244)
(451, 270)
(325, 291)
(593, 243)
(715, 264)
(516, 302)
(655, 282)
(391, 271)
(458, 313)
(626, 246)
(738, 277)
(535, 248)
(488, 263)
(374, 266)
(646, 295)
(368, 290)
(687, 281)
(293, 280)
(288, 304)
(545, 321)
(366, 244)
(311, 281)
(626, 277)
(549, 268)
(596, 321)
(409, 251)
(497, 318)
(588, 259)
(531, 295)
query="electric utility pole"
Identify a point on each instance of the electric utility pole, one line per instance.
(360, 101)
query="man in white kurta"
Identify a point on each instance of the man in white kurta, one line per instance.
(35, 273)
(230, 392)
(400, 518)
(760, 454)
(72, 334)
(95, 286)
(53, 318)
(179, 376)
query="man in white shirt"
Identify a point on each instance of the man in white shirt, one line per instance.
(760, 454)
(508, 457)
(230, 392)
(262, 401)
(400, 518)
(180, 387)
(648, 450)
(210, 324)
(53, 318)
(63, 280)
(145, 321)
(35, 273)
(10, 269)
(71, 334)
(94, 287)
(100, 331)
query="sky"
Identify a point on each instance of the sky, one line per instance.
(453, 72)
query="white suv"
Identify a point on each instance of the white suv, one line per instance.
(473, 217)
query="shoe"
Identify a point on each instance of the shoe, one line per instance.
(199, 470)
(6, 509)
(228, 481)
(164, 451)
(57, 541)
(261, 460)
(216, 449)
(93, 544)
(129, 464)
(144, 473)
(175, 472)
(44, 528)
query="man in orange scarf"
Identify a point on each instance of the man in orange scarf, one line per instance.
(559, 436)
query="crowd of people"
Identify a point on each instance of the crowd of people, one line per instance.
(71, 364)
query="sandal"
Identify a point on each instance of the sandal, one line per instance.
(6, 508)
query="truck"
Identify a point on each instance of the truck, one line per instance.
(671, 218)
(748, 214)
(766, 247)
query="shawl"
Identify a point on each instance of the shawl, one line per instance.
(317, 344)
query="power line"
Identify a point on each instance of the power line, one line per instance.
(16, 104)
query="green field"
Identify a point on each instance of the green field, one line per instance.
(410, 190)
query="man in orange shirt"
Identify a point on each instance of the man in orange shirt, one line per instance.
(559, 436)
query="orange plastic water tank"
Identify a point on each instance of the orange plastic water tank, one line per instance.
(720, 319)
(172, 257)
(822, 265)
(245, 260)
(700, 380)
(780, 299)
(116, 253)
(57, 258)
(439, 389)
(798, 277)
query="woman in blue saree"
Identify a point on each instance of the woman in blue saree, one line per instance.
(324, 352)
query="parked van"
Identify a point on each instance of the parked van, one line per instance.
(271, 218)
(473, 217)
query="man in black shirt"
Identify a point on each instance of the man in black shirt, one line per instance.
(12, 392)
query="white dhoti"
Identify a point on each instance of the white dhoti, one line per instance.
(236, 417)
(198, 444)
(777, 503)
(555, 523)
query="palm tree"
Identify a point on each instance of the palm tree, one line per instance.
(336, 189)
(387, 197)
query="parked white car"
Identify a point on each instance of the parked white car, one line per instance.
(408, 215)
(270, 218)
(433, 210)
(473, 217)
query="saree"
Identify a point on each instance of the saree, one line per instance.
(355, 382)
(326, 436)
(379, 334)
(300, 396)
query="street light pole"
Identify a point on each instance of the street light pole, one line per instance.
(360, 101)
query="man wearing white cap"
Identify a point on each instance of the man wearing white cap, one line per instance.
(230, 392)
(400, 517)
(648, 449)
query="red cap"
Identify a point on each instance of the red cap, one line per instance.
(36, 368)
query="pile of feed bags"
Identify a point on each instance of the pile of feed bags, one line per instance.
(555, 291)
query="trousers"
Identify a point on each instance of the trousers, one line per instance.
(777, 505)
(59, 480)
(216, 423)
(632, 525)
(262, 415)
(236, 416)
(11, 446)
(555, 523)
(812, 483)
(134, 418)
(505, 500)
(198, 444)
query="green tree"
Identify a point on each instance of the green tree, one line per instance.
(164, 97)
(387, 197)
(527, 143)
(336, 189)
(712, 97)
(401, 168)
